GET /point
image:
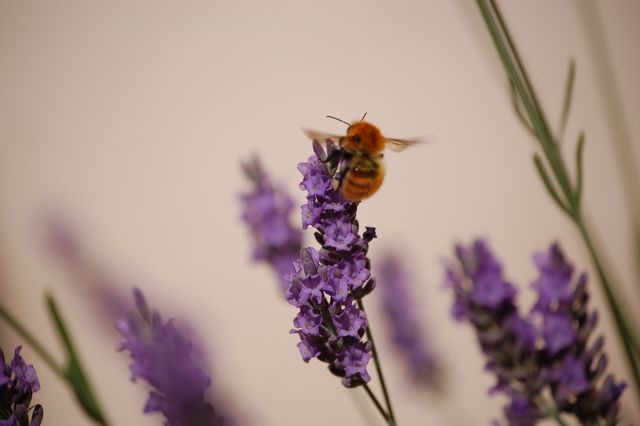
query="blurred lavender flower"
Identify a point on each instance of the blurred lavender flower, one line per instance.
(574, 367)
(400, 311)
(326, 285)
(62, 242)
(266, 210)
(163, 357)
(527, 357)
(18, 382)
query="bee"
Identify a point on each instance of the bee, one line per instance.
(363, 146)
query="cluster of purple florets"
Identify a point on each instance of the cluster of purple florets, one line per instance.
(403, 321)
(18, 382)
(163, 357)
(327, 284)
(266, 210)
(548, 351)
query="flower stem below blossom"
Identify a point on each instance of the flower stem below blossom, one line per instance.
(391, 419)
(559, 420)
(32, 342)
(73, 374)
(629, 342)
(550, 411)
(376, 402)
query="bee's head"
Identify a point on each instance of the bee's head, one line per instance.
(363, 137)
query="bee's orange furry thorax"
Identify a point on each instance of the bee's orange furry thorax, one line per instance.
(363, 137)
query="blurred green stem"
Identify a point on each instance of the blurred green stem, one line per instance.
(568, 198)
(614, 115)
(32, 342)
(73, 373)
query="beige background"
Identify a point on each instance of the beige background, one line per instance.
(131, 118)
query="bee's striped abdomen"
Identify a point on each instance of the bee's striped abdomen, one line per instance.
(364, 177)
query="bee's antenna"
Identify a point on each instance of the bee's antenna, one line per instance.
(336, 118)
(362, 119)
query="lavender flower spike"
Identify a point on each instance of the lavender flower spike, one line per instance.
(163, 357)
(266, 211)
(326, 285)
(402, 320)
(575, 367)
(529, 360)
(18, 382)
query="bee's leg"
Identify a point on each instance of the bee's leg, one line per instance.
(340, 173)
(334, 155)
(336, 182)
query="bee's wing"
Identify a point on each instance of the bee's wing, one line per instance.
(398, 145)
(321, 136)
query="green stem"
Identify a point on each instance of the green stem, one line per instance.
(376, 358)
(518, 75)
(32, 342)
(630, 344)
(546, 138)
(549, 410)
(376, 403)
(74, 373)
(559, 420)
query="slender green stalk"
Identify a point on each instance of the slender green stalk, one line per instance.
(361, 404)
(376, 358)
(74, 372)
(31, 340)
(377, 403)
(630, 345)
(569, 198)
(568, 95)
(559, 420)
(547, 141)
(550, 410)
(591, 19)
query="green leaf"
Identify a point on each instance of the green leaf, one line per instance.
(548, 184)
(579, 168)
(568, 95)
(73, 372)
(516, 102)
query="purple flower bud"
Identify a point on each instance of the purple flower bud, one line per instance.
(340, 235)
(354, 360)
(521, 411)
(558, 332)
(18, 382)
(554, 283)
(350, 322)
(570, 379)
(308, 320)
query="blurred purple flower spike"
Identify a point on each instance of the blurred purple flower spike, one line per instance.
(163, 357)
(62, 242)
(266, 211)
(403, 322)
